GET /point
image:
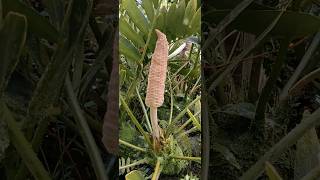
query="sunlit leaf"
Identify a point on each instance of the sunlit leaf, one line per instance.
(147, 6)
(136, 15)
(128, 50)
(128, 32)
(135, 175)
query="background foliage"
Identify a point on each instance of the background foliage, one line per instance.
(55, 62)
(259, 57)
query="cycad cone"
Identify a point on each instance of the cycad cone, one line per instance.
(156, 80)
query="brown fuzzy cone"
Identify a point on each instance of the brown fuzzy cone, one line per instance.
(157, 72)
(110, 137)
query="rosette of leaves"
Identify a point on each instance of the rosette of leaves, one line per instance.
(138, 21)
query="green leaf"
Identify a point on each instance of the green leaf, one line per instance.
(171, 19)
(128, 50)
(136, 15)
(147, 6)
(195, 24)
(179, 17)
(127, 31)
(135, 175)
(195, 121)
(272, 172)
(23, 147)
(161, 21)
(155, 4)
(289, 25)
(36, 23)
(182, 113)
(13, 36)
(189, 12)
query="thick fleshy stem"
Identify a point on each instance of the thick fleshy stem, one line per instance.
(154, 123)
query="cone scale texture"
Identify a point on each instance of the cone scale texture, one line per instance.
(157, 72)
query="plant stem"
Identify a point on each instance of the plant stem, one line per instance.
(157, 171)
(154, 123)
(196, 159)
(132, 146)
(142, 161)
(186, 123)
(181, 114)
(257, 126)
(192, 130)
(22, 146)
(144, 109)
(86, 135)
(171, 101)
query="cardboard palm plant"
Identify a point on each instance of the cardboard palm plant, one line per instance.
(160, 138)
(163, 150)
